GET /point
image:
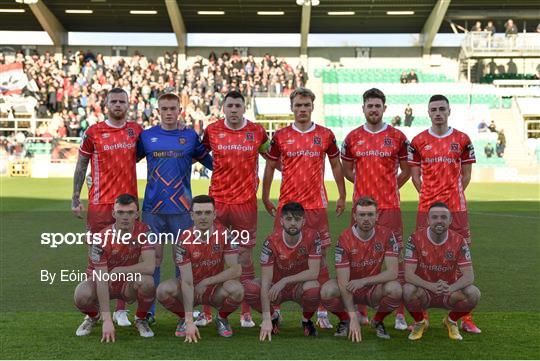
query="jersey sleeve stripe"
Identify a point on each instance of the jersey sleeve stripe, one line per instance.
(470, 160)
(342, 265)
(85, 152)
(334, 155)
(344, 157)
(315, 256)
(271, 156)
(411, 260)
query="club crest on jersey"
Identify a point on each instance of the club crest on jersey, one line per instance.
(427, 147)
(196, 254)
(131, 133)
(424, 253)
(378, 247)
(360, 142)
(105, 135)
(182, 140)
(317, 140)
(354, 251)
(216, 248)
(221, 135)
(387, 142)
(454, 147)
(249, 136)
(449, 255)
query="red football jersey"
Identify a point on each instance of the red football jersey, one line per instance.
(440, 159)
(112, 252)
(288, 260)
(437, 261)
(113, 156)
(205, 253)
(365, 257)
(376, 158)
(302, 157)
(235, 152)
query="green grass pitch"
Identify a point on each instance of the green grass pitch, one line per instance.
(39, 320)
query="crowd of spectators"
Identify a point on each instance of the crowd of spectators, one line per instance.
(72, 91)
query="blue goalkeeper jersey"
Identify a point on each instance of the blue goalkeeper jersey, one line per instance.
(169, 155)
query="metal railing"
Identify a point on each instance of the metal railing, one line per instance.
(22, 124)
(485, 42)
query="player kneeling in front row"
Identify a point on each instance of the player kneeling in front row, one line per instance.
(202, 253)
(439, 273)
(290, 260)
(359, 256)
(119, 268)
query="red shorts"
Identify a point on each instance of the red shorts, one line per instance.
(437, 301)
(207, 297)
(316, 219)
(364, 296)
(117, 289)
(460, 223)
(99, 216)
(239, 217)
(391, 219)
(324, 276)
(291, 292)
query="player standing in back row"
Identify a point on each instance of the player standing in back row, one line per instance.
(441, 159)
(302, 148)
(169, 149)
(371, 155)
(111, 148)
(236, 143)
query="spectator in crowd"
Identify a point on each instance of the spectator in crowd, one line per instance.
(511, 32)
(490, 28)
(483, 126)
(477, 26)
(492, 127)
(499, 149)
(408, 116)
(396, 121)
(412, 78)
(510, 28)
(488, 150)
(501, 143)
(403, 78)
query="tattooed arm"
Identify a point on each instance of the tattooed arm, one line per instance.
(78, 181)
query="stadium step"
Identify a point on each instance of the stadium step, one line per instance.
(516, 153)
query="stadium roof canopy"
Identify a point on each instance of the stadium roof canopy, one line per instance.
(240, 16)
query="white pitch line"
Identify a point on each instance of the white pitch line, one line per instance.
(504, 215)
